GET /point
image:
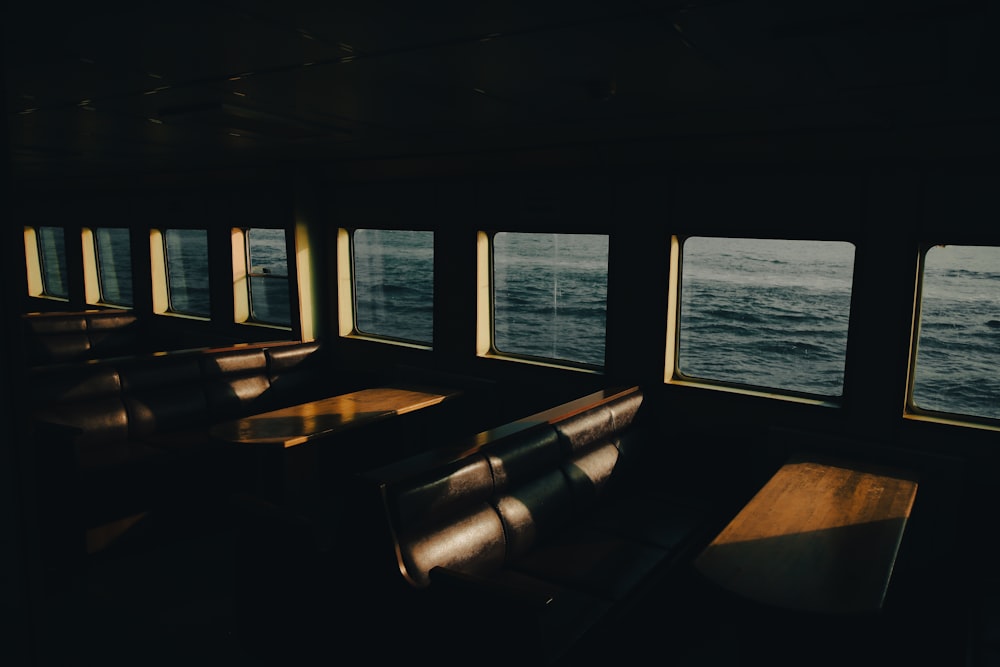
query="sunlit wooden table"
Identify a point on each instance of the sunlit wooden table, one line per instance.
(819, 536)
(274, 439)
(301, 423)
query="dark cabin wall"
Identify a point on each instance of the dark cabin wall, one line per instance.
(17, 579)
(822, 186)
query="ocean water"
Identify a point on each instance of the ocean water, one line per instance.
(550, 291)
(958, 351)
(187, 271)
(114, 262)
(550, 294)
(775, 314)
(766, 313)
(52, 255)
(394, 283)
(269, 296)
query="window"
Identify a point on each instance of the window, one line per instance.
(549, 296)
(180, 271)
(260, 276)
(108, 266)
(765, 313)
(957, 361)
(45, 256)
(393, 281)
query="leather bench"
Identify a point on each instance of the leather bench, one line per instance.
(56, 337)
(533, 537)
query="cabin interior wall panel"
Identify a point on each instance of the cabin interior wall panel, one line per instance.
(638, 271)
(958, 197)
(882, 308)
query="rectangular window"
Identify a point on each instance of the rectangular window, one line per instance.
(52, 261)
(260, 276)
(113, 255)
(765, 313)
(549, 296)
(957, 361)
(393, 280)
(186, 260)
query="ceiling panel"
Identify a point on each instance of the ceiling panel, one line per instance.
(126, 86)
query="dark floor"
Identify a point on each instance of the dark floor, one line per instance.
(243, 588)
(690, 623)
(147, 601)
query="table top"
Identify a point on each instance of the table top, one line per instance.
(818, 536)
(301, 423)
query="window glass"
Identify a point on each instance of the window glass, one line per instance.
(187, 271)
(767, 313)
(52, 255)
(268, 276)
(394, 283)
(550, 295)
(957, 364)
(114, 265)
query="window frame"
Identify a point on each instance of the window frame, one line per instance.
(35, 264)
(912, 411)
(93, 280)
(486, 304)
(160, 274)
(243, 303)
(347, 297)
(673, 375)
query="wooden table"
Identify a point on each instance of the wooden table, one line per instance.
(819, 536)
(285, 473)
(298, 424)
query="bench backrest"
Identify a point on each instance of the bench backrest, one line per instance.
(77, 336)
(492, 504)
(86, 400)
(163, 394)
(115, 399)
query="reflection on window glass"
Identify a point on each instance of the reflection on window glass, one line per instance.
(114, 265)
(550, 295)
(768, 313)
(52, 255)
(268, 274)
(957, 365)
(187, 271)
(394, 283)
